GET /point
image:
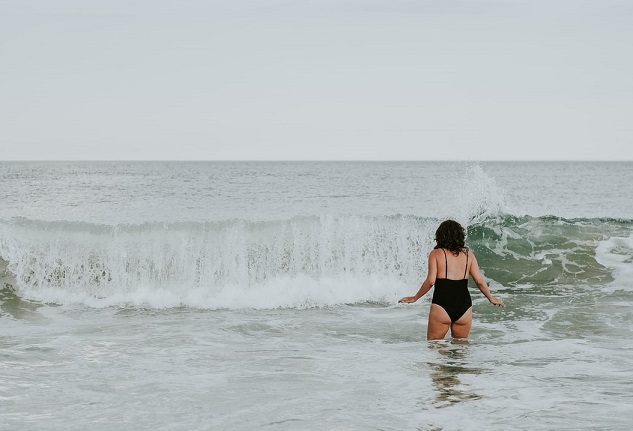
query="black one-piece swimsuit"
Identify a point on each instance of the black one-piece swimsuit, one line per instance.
(452, 295)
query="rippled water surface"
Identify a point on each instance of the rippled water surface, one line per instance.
(263, 295)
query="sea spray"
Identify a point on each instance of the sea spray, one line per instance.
(304, 261)
(73, 261)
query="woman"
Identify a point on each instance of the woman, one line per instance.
(451, 306)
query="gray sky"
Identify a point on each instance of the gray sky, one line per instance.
(316, 79)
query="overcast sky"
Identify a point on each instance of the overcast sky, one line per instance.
(316, 79)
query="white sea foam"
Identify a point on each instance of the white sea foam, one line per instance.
(616, 253)
(283, 292)
(233, 264)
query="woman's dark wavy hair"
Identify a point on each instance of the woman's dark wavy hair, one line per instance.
(450, 235)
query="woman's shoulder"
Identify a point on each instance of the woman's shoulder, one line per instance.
(435, 252)
(470, 252)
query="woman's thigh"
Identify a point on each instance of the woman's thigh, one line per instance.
(439, 323)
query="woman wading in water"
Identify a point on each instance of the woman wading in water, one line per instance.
(451, 306)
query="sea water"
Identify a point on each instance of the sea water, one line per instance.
(247, 295)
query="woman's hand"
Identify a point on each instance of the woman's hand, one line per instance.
(496, 301)
(408, 299)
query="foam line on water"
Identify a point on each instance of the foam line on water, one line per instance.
(616, 253)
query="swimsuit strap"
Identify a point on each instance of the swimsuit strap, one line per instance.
(466, 269)
(446, 263)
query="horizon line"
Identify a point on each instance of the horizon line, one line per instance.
(330, 160)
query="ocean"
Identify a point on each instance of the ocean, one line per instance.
(263, 295)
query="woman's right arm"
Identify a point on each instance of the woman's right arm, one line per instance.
(481, 283)
(428, 282)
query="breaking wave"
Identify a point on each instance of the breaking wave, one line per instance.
(300, 262)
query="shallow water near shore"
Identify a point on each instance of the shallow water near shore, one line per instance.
(264, 295)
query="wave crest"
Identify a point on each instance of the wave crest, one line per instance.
(304, 261)
(80, 260)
